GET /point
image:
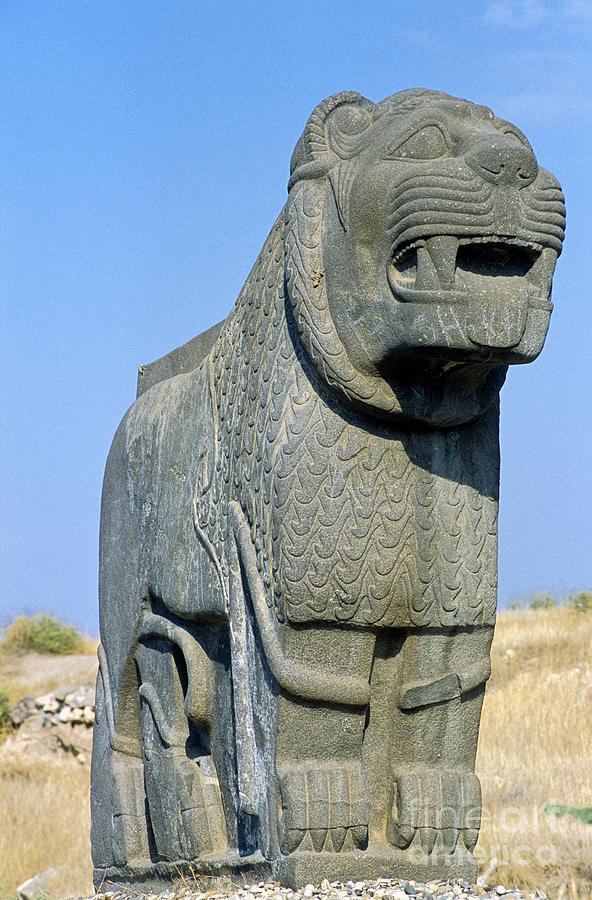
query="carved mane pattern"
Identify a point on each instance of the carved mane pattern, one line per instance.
(402, 513)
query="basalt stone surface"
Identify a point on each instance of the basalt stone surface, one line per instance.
(298, 534)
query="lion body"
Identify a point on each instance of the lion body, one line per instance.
(299, 528)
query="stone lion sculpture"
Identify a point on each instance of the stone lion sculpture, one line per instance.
(298, 535)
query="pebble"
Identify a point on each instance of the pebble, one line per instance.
(377, 889)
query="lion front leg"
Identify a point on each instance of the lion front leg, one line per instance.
(321, 691)
(324, 798)
(436, 795)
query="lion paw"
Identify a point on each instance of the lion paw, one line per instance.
(323, 808)
(435, 804)
(187, 792)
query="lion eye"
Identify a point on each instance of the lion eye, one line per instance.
(427, 143)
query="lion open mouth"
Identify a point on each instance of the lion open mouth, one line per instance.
(485, 285)
(446, 267)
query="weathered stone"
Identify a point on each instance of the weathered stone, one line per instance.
(48, 703)
(298, 534)
(81, 697)
(22, 710)
(36, 886)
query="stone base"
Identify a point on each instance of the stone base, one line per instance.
(294, 871)
(215, 871)
(299, 869)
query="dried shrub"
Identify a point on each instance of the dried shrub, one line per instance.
(581, 602)
(42, 634)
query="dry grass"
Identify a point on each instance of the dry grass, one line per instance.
(44, 806)
(534, 749)
(36, 674)
(44, 823)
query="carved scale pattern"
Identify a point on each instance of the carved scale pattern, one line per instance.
(351, 521)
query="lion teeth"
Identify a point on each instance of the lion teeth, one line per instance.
(444, 262)
(541, 271)
(426, 279)
(442, 250)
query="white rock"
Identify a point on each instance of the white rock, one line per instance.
(35, 886)
(40, 703)
(47, 703)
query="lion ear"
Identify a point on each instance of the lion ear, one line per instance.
(333, 132)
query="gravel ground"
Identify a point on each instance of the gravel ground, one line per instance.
(381, 889)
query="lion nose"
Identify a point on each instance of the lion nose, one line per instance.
(503, 163)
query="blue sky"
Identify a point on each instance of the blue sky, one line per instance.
(145, 149)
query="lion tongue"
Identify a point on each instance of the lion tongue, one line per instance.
(442, 250)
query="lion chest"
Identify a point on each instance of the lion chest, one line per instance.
(383, 529)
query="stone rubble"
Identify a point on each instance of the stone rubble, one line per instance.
(66, 704)
(379, 889)
(55, 727)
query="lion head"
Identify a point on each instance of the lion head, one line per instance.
(421, 238)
